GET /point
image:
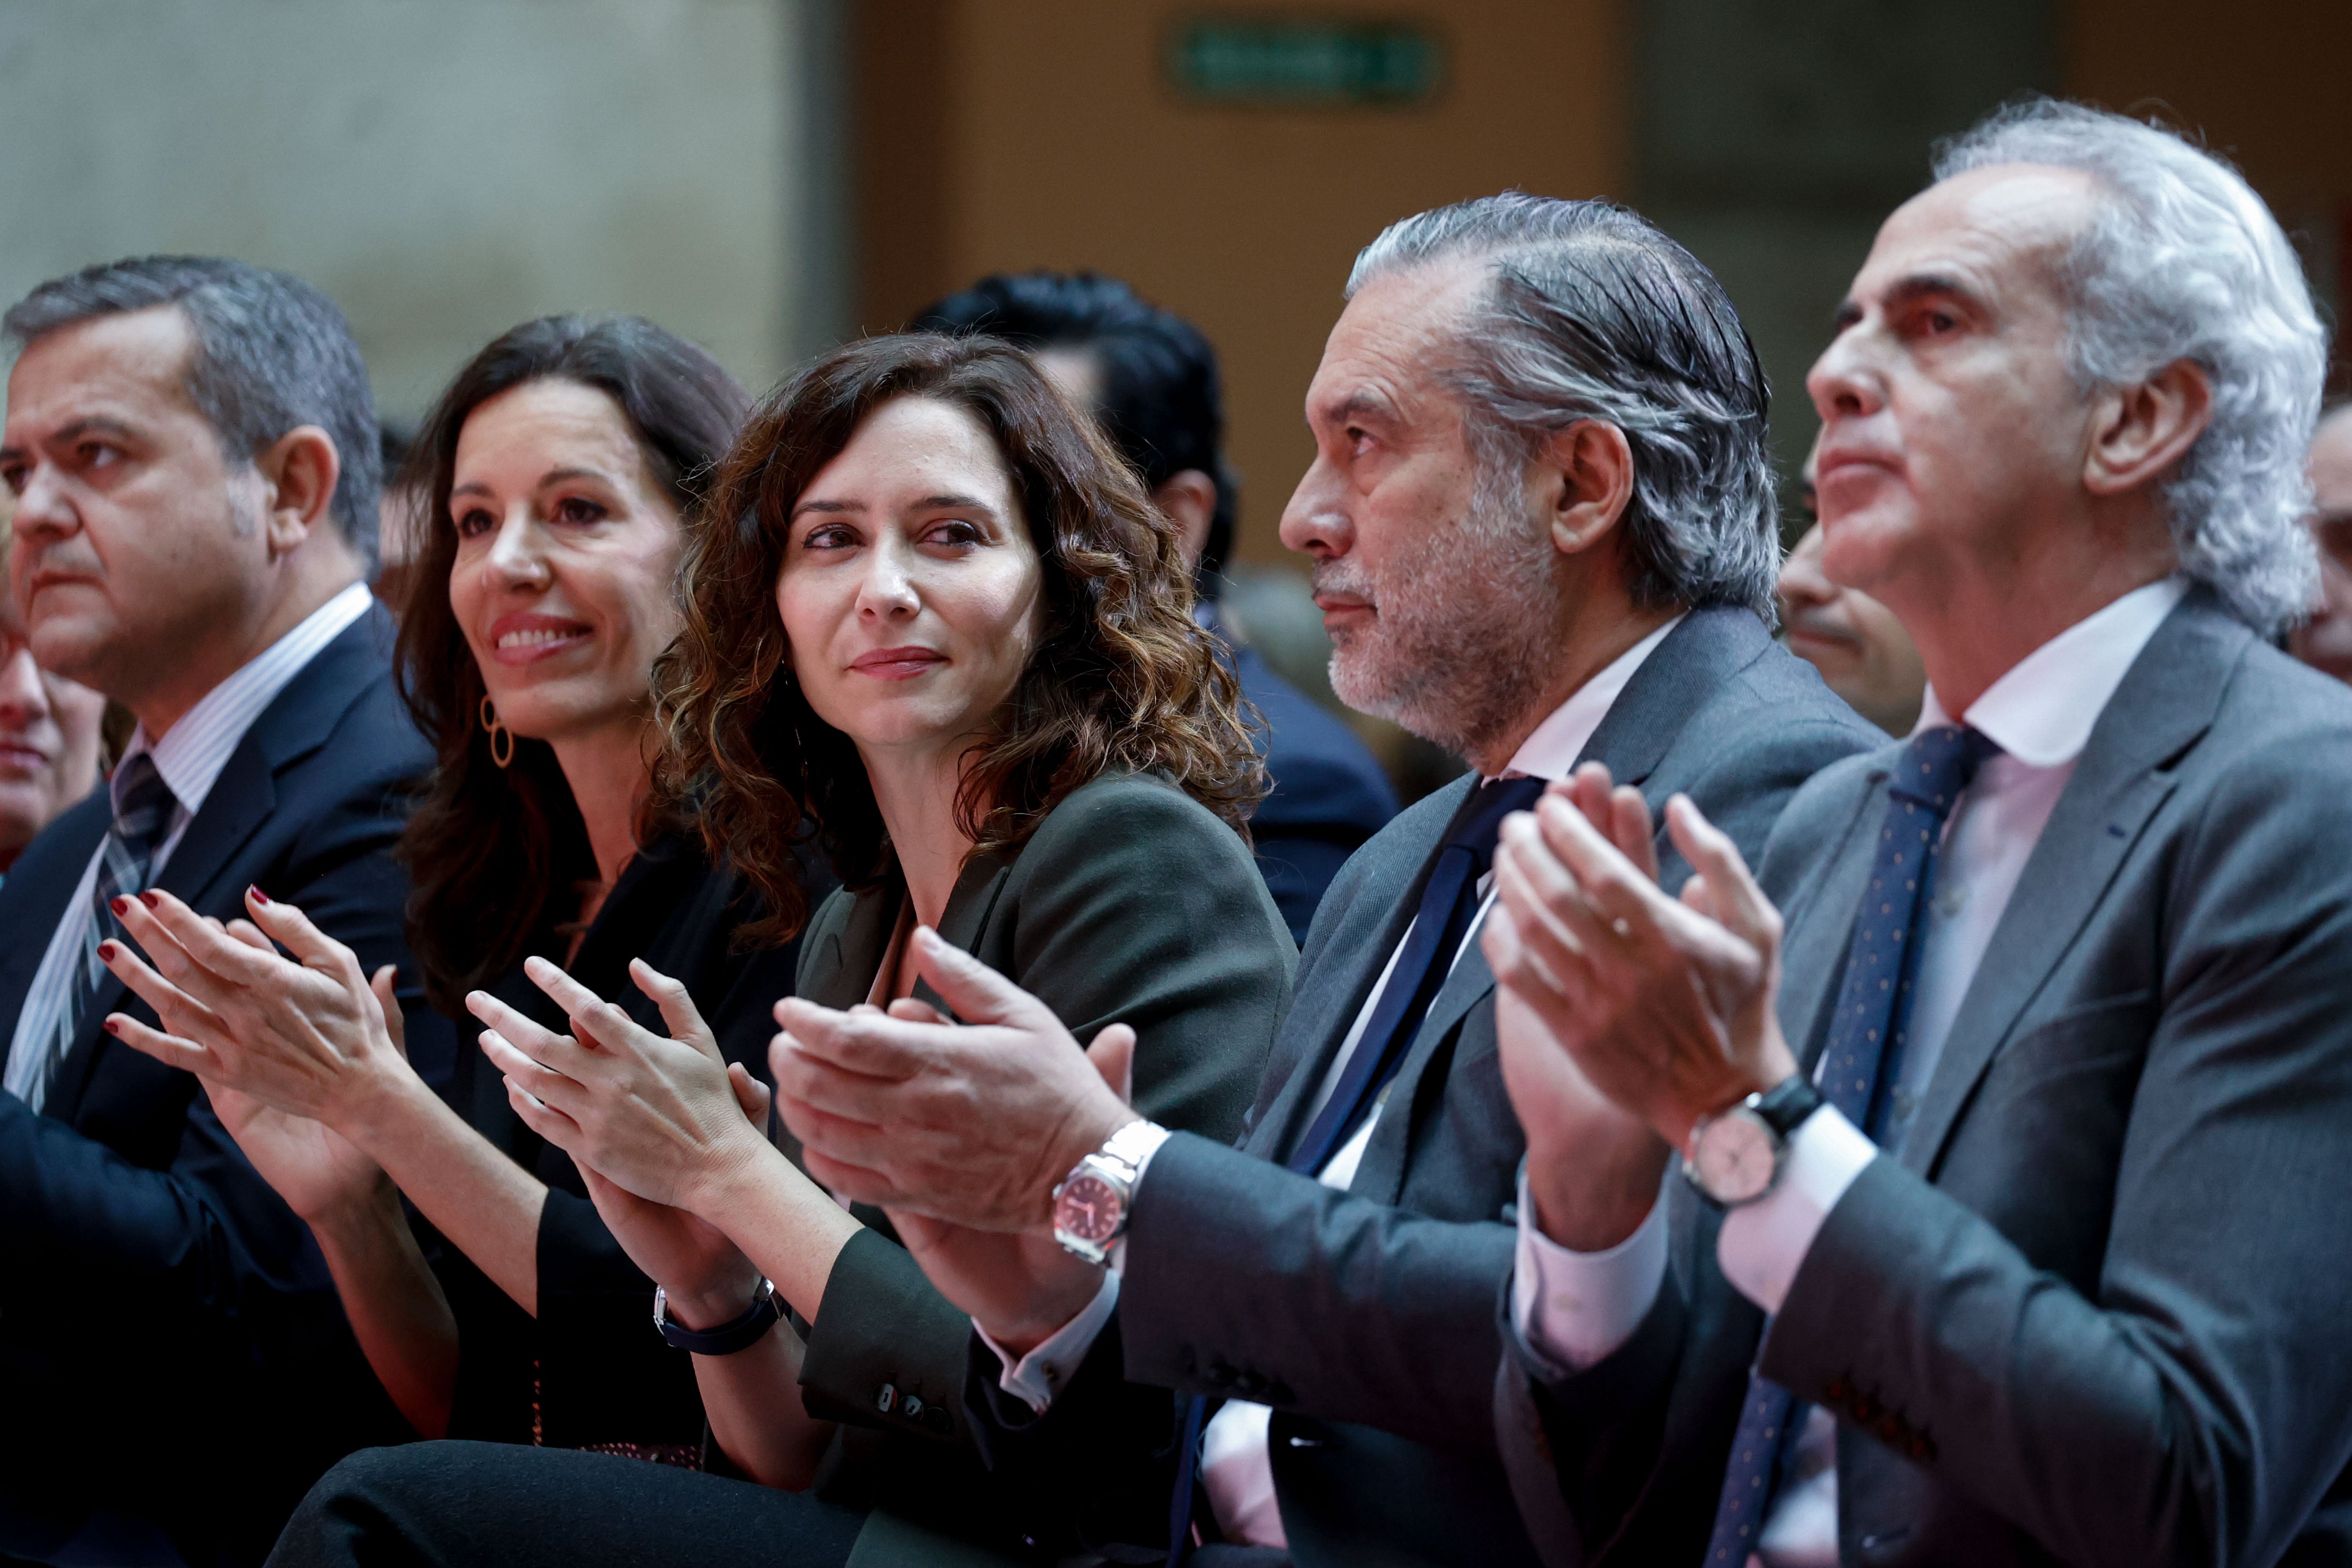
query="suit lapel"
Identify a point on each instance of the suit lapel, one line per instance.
(1821, 918)
(1323, 1014)
(295, 725)
(2166, 701)
(855, 952)
(1681, 675)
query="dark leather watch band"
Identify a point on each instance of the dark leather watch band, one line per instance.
(1787, 1103)
(738, 1333)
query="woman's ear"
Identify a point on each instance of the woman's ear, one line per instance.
(1585, 474)
(2138, 433)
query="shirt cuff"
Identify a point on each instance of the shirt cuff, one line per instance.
(1574, 1309)
(1762, 1244)
(1045, 1372)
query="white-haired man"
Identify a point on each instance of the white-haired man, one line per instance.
(2014, 1227)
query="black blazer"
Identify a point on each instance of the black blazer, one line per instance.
(590, 1370)
(1129, 903)
(2094, 1313)
(170, 1343)
(1366, 1318)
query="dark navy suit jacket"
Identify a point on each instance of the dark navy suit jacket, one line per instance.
(1330, 794)
(171, 1344)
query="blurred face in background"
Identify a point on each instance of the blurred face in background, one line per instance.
(2325, 641)
(1860, 650)
(48, 735)
(1436, 581)
(566, 548)
(912, 591)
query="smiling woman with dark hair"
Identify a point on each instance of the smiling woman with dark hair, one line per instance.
(929, 612)
(559, 469)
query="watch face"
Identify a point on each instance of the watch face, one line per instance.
(1089, 1208)
(1735, 1158)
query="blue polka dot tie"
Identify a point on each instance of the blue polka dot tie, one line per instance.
(1866, 1038)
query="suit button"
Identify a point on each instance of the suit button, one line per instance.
(885, 1399)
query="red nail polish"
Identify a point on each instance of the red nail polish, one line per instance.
(120, 904)
(151, 899)
(113, 1027)
(106, 950)
(256, 895)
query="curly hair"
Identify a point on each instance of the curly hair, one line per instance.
(1123, 679)
(485, 846)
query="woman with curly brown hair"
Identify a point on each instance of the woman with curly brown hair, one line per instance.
(929, 610)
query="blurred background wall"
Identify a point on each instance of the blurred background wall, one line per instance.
(769, 176)
(444, 168)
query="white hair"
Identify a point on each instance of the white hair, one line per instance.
(2185, 262)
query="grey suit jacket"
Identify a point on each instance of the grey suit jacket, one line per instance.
(2095, 1312)
(1366, 1318)
(1129, 903)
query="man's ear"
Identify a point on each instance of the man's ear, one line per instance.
(298, 470)
(1585, 474)
(2138, 433)
(1190, 499)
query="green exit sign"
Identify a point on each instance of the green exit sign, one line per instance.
(1304, 63)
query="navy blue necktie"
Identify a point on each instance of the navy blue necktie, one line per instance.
(1449, 902)
(1865, 1048)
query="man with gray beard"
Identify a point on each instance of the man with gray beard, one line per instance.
(1541, 518)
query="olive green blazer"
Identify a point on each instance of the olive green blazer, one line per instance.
(1130, 904)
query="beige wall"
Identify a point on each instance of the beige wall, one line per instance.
(443, 168)
(1019, 133)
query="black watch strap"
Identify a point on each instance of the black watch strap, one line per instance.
(738, 1333)
(1787, 1103)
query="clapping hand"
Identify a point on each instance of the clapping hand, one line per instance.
(973, 1123)
(657, 1115)
(1663, 1006)
(311, 1036)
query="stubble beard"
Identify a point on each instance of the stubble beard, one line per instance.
(1464, 637)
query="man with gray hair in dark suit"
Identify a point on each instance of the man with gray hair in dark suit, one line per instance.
(1541, 518)
(2014, 1092)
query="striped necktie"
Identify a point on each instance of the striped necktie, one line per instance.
(1865, 1048)
(142, 819)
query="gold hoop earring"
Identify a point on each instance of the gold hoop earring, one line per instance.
(501, 738)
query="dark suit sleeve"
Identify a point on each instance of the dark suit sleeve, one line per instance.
(206, 1234)
(1139, 907)
(2193, 1409)
(1317, 1300)
(1135, 906)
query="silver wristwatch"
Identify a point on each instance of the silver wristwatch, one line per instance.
(1090, 1206)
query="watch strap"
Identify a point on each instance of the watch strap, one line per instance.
(1785, 1106)
(736, 1335)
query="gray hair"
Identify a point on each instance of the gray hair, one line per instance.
(1590, 313)
(2184, 262)
(271, 353)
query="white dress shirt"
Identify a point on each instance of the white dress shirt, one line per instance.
(2041, 714)
(1234, 1467)
(189, 756)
